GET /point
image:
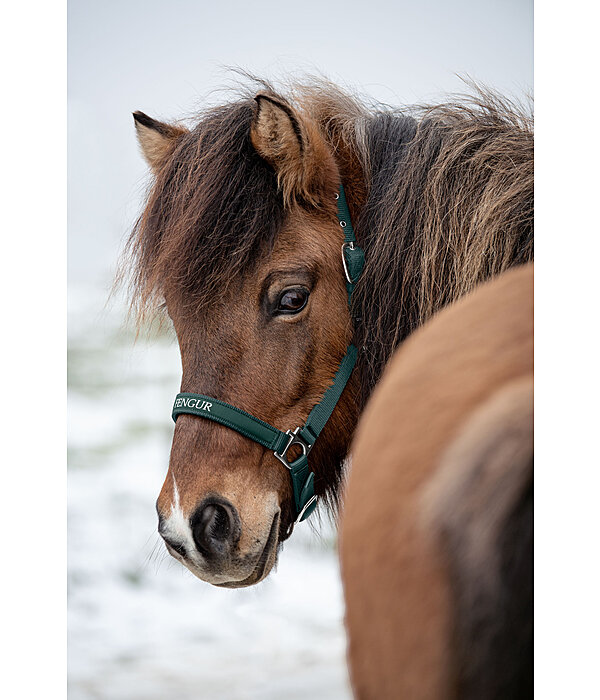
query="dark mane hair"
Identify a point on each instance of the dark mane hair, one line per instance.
(213, 206)
(447, 203)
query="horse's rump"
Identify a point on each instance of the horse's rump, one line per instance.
(436, 535)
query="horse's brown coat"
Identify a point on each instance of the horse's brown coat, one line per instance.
(438, 425)
(244, 202)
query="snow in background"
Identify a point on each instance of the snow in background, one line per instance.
(141, 627)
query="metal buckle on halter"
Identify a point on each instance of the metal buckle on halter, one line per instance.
(344, 263)
(294, 439)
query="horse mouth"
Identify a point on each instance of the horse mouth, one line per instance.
(265, 561)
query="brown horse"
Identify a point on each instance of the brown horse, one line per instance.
(436, 532)
(240, 243)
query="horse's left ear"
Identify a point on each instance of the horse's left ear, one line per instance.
(157, 139)
(293, 146)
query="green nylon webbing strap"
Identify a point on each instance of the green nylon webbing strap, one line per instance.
(265, 434)
(322, 411)
(226, 414)
(258, 430)
(353, 256)
(344, 216)
(270, 437)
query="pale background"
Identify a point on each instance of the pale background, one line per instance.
(140, 626)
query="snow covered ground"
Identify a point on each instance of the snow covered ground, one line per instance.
(140, 625)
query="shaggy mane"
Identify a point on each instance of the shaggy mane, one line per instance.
(448, 204)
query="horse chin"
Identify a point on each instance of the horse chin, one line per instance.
(264, 565)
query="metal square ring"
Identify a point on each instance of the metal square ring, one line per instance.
(294, 439)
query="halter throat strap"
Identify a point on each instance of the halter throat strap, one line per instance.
(278, 441)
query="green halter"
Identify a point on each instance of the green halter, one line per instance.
(305, 500)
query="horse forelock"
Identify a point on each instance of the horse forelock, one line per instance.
(213, 209)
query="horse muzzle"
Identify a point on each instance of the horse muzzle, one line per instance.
(208, 543)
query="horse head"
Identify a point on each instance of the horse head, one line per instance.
(241, 243)
(240, 239)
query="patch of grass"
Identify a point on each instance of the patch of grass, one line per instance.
(133, 578)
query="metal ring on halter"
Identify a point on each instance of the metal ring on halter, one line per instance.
(294, 439)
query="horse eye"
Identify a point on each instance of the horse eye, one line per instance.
(292, 300)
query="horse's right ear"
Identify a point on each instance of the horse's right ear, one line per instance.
(157, 139)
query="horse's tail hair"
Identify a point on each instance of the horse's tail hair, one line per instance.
(480, 504)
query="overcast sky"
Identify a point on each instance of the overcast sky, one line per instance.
(166, 58)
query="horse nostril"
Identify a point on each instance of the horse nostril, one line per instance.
(215, 528)
(177, 547)
(174, 544)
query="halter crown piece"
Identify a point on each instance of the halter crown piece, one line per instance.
(305, 499)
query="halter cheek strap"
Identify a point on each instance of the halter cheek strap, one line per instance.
(305, 500)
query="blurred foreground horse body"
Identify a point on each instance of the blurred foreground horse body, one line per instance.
(241, 243)
(436, 533)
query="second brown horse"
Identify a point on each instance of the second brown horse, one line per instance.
(436, 533)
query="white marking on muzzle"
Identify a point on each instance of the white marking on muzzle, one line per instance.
(176, 526)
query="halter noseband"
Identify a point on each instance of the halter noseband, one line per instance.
(305, 499)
